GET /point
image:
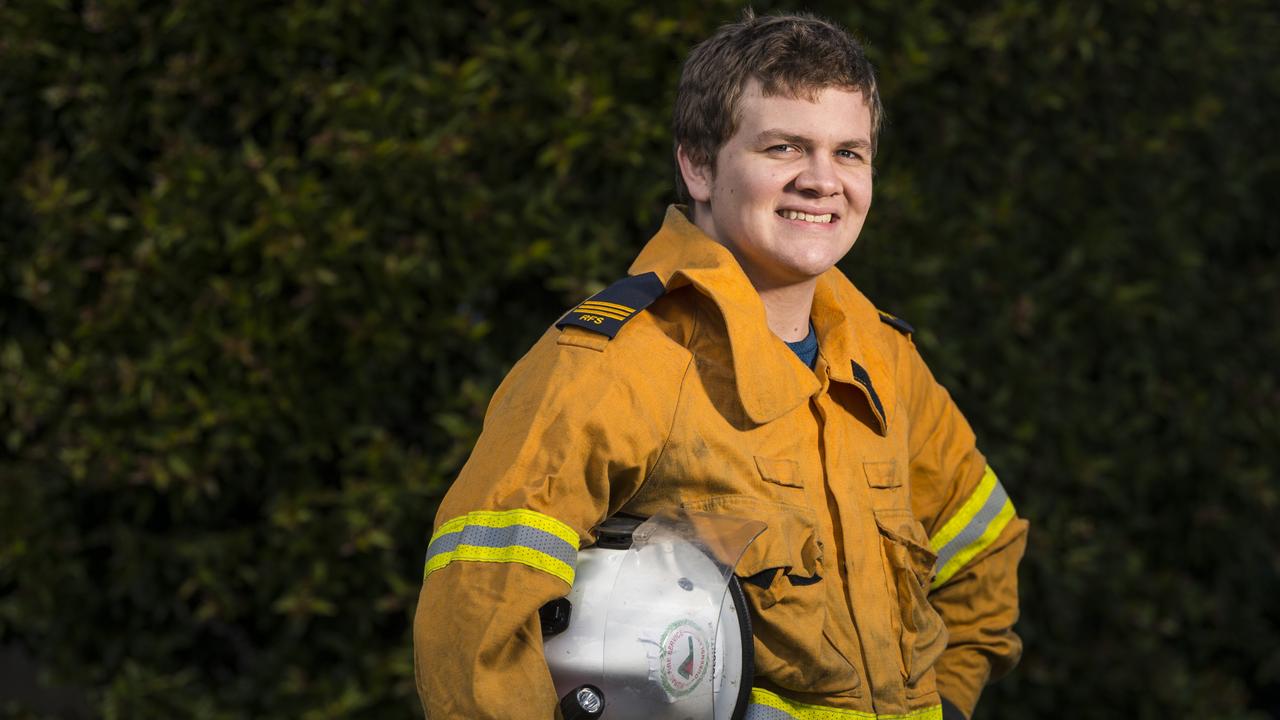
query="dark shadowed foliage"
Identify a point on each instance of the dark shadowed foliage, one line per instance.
(262, 265)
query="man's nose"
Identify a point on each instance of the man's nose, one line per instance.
(818, 177)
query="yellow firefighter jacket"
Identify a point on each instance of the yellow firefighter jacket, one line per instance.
(887, 574)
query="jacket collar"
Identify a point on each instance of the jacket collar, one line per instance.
(770, 379)
(850, 337)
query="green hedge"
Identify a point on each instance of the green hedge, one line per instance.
(262, 266)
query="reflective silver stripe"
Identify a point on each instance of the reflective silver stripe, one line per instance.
(976, 527)
(501, 537)
(764, 712)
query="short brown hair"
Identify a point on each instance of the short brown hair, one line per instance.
(796, 55)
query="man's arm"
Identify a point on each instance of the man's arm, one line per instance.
(568, 438)
(977, 535)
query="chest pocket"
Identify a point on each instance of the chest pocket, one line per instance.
(888, 491)
(909, 565)
(781, 575)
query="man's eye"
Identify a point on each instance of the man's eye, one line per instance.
(851, 155)
(782, 149)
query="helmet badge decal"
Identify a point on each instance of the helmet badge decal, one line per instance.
(684, 657)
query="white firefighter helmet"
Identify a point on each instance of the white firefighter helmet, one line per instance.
(656, 625)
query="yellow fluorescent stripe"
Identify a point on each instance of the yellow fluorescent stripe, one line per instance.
(965, 514)
(963, 557)
(801, 711)
(615, 306)
(510, 554)
(597, 311)
(507, 518)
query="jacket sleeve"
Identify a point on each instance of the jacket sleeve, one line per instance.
(567, 439)
(975, 531)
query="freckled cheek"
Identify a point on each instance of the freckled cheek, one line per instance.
(775, 182)
(764, 190)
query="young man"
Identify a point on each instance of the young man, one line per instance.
(737, 371)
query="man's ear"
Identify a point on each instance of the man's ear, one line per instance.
(696, 177)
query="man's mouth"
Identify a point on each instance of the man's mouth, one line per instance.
(806, 217)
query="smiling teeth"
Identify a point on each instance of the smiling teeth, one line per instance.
(797, 215)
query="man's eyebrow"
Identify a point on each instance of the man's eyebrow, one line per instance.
(776, 134)
(790, 137)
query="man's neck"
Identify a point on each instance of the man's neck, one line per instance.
(787, 309)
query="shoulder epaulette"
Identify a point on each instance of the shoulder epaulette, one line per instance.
(606, 311)
(898, 323)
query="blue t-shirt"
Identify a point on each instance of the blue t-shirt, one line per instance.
(806, 349)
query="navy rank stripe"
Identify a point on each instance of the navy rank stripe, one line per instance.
(897, 323)
(862, 378)
(606, 311)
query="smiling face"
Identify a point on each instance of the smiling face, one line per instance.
(792, 186)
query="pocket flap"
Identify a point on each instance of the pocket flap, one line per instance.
(901, 528)
(882, 473)
(789, 542)
(780, 471)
